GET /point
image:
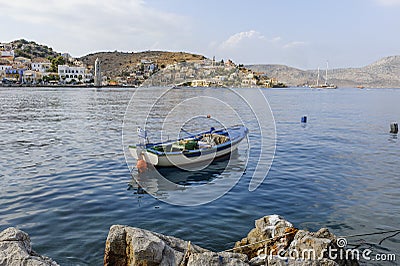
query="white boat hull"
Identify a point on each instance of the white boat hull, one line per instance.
(185, 157)
(180, 159)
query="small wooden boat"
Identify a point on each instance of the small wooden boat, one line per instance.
(197, 148)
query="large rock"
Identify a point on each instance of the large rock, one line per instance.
(276, 242)
(220, 258)
(268, 227)
(133, 246)
(273, 241)
(15, 249)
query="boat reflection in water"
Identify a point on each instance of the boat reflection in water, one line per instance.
(165, 182)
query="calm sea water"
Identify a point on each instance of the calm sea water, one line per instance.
(65, 181)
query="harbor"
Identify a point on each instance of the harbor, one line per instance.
(191, 133)
(67, 182)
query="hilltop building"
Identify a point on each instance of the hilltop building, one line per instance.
(6, 51)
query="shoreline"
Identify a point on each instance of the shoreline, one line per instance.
(134, 87)
(273, 241)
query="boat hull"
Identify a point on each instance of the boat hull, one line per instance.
(191, 157)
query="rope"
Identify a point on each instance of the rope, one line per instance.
(370, 234)
(188, 251)
(258, 242)
(380, 242)
(185, 257)
(349, 236)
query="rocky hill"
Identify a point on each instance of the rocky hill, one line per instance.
(384, 73)
(115, 64)
(30, 49)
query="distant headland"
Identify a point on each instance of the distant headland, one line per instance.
(384, 73)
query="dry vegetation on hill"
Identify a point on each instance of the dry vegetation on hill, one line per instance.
(384, 73)
(122, 64)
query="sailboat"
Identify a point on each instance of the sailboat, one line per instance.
(326, 85)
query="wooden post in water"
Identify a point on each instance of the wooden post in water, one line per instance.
(394, 128)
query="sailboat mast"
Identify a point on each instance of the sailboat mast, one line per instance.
(318, 78)
(326, 73)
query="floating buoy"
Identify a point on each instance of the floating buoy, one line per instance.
(394, 128)
(141, 165)
(304, 119)
(208, 116)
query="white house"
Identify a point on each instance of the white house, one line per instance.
(70, 73)
(41, 67)
(30, 77)
(4, 67)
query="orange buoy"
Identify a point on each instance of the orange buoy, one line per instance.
(141, 165)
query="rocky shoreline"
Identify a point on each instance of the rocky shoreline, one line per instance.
(273, 241)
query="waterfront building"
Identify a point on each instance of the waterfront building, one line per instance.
(70, 74)
(3, 69)
(14, 74)
(30, 77)
(200, 83)
(249, 81)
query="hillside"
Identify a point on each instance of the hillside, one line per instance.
(30, 49)
(384, 73)
(115, 64)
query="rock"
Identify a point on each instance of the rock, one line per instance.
(268, 227)
(317, 246)
(133, 246)
(221, 258)
(276, 261)
(275, 241)
(318, 242)
(15, 249)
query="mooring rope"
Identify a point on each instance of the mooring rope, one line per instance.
(397, 231)
(370, 234)
(258, 242)
(186, 255)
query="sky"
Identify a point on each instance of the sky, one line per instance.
(302, 34)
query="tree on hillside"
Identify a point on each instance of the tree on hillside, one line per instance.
(55, 62)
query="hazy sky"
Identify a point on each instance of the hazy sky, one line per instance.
(304, 34)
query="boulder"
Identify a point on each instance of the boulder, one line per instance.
(15, 249)
(220, 258)
(133, 246)
(268, 227)
(274, 241)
